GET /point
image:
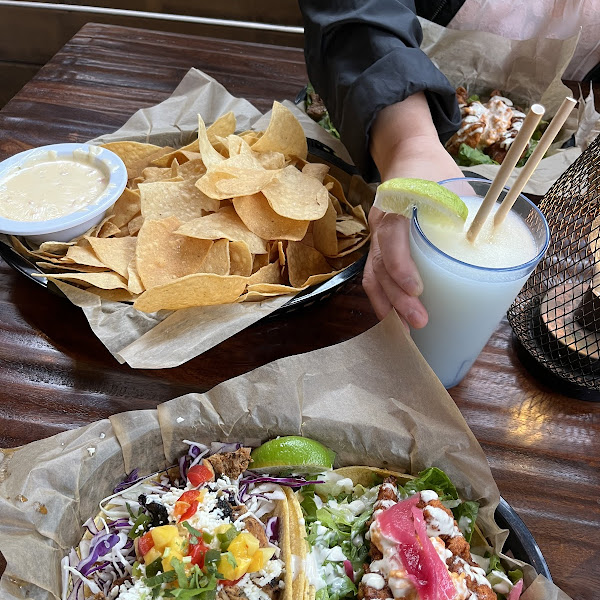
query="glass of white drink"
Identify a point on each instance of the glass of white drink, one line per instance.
(468, 287)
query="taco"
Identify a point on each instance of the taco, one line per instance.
(377, 534)
(208, 528)
(487, 130)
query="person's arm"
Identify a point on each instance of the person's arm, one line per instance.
(392, 107)
(404, 143)
(364, 55)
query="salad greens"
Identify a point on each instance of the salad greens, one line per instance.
(325, 120)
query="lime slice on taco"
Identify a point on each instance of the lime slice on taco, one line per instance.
(292, 454)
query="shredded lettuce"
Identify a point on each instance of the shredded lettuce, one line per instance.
(335, 531)
(469, 157)
(435, 479)
(465, 515)
(432, 479)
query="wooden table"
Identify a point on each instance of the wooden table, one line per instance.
(543, 448)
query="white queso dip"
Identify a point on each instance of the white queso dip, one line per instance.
(49, 186)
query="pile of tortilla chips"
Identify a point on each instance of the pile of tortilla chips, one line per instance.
(228, 218)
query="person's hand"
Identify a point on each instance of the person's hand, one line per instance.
(391, 279)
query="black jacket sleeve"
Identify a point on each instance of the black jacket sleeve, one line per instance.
(363, 55)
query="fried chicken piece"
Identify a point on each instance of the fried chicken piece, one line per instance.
(230, 464)
(386, 497)
(316, 110)
(482, 591)
(459, 546)
(461, 95)
(368, 592)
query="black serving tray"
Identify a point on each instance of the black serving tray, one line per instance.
(520, 543)
(317, 151)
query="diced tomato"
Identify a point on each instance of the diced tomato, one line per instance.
(198, 552)
(187, 505)
(226, 582)
(190, 512)
(145, 543)
(190, 496)
(199, 474)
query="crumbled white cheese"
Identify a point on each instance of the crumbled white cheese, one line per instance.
(137, 592)
(272, 570)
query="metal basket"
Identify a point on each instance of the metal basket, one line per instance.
(556, 316)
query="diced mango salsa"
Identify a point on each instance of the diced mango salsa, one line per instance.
(230, 572)
(260, 558)
(163, 535)
(244, 545)
(151, 555)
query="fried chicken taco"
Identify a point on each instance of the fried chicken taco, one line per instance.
(374, 534)
(208, 528)
(377, 534)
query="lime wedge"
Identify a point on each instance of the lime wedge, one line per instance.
(434, 202)
(292, 454)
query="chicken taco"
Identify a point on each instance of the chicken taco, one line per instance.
(377, 534)
(487, 130)
(208, 528)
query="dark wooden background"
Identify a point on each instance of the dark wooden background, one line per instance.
(543, 447)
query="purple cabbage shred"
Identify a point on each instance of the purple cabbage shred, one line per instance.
(127, 482)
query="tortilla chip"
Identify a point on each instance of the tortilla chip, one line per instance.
(106, 281)
(210, 157)
(258, 216)
(304, 262)
(199, 289)
(245, 183)
(162, 255)
(296, 196)
(125, 208)
(135, 224)
(134, 282)
(222, 127)
(56, 248)
(115, 253)
(107, 229)
(316, 170)
(324, 233)
(240, 259)
(83, 254)
(113, 295)
(136, 156)
(273, 289)
(270, 273)
(223, 224)
(73, 267)
(284, 134)
(181, 199)
(217, 258)
(193, 169)
(349, 226)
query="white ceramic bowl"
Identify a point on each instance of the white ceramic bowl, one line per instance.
(67, 227)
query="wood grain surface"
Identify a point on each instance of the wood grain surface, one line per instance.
(543, 447)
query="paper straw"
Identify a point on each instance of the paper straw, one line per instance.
(534, 160)
(508, 164)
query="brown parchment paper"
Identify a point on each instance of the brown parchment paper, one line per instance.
(170, 338)
(373, 399)
(527, 71)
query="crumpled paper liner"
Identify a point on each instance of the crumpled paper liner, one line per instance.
(170, 338)
(527, 71)
(373, 399)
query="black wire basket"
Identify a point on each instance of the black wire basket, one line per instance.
(556, 316)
